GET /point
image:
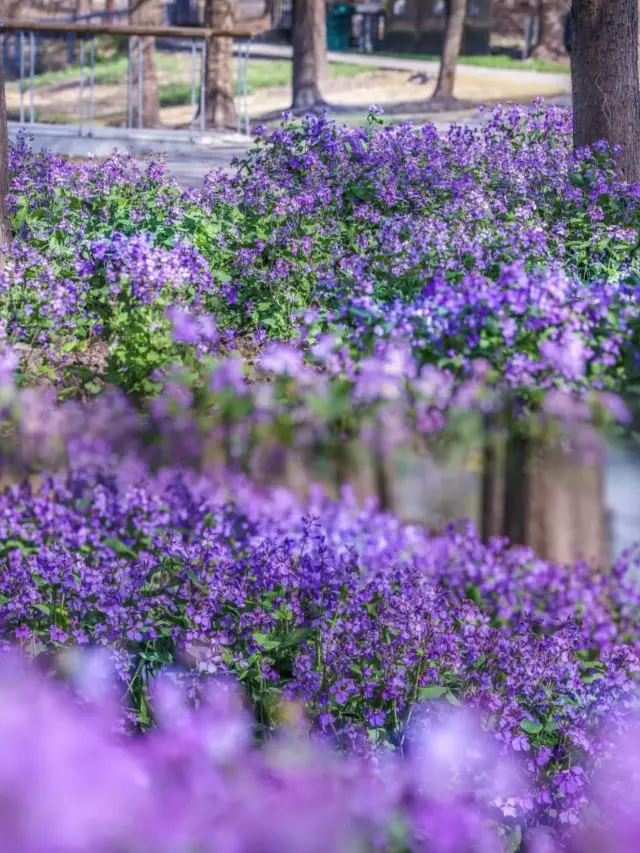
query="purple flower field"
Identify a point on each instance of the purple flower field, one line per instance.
(197, 660)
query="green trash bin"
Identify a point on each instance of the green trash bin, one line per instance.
(339, 24)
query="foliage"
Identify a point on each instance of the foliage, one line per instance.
(417, 275)
(497, 243)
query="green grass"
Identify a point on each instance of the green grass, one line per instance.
(497, 61)
(262, 73)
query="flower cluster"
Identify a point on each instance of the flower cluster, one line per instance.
(70, 782)
(340, 608)
(457, 695)
(437, 240)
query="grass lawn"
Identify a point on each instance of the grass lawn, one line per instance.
(112, 70)
(498, 61)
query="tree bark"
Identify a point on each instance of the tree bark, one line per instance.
(309, 48)
(5, 225)
(220, 109)
(492, 501)
(566, 513)
(453, 33)
(544, 495)
(552, 17)
(604, 76)
(320, 42)
(146, 12)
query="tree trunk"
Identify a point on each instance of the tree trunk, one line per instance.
(552, 20)
(566, 513)
(453, 33)
(309, 46)
(539, 494)
(110, 7)
(5, 226)
(320, 42)
(492, 502)
(220, 109)
(148, 13)
(551, 501)
(604, 76)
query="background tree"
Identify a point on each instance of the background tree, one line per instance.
(604, 77)
(548, 498)
(552, 14)
(5, 226)
(456, 13)
(309, 54)
(220, 109)
(320, 43)
(147, 13)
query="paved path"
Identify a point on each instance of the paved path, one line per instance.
(191, 172)
(188, 159)
(394, 63)
(191, 167)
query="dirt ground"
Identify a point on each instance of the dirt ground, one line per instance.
(59, 103)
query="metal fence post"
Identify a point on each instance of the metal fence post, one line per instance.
(21, 77)
(130, 85)
(32, 82)
(140, 78)
(81, 90)
(203, 87)
(92, 80)
(242, 113)
(193, 83)
(246, 88)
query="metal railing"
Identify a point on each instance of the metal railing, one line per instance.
(198, 38)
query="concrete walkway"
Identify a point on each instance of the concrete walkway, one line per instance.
(189, 156)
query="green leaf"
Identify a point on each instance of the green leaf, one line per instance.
(296, 637)
(453, 700)
(194, 579)
(433, 691)
(514, 841)
(266, 642)
(119, 547)
(531, 727)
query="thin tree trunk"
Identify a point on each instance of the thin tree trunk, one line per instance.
(5, 226)
(552, 19)
(309, 45)
(320, 43)
(493, 483)
(604, 76)
(110, 7)
(220, 109)
(517, 498)
(453, 33)
(146, 12)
